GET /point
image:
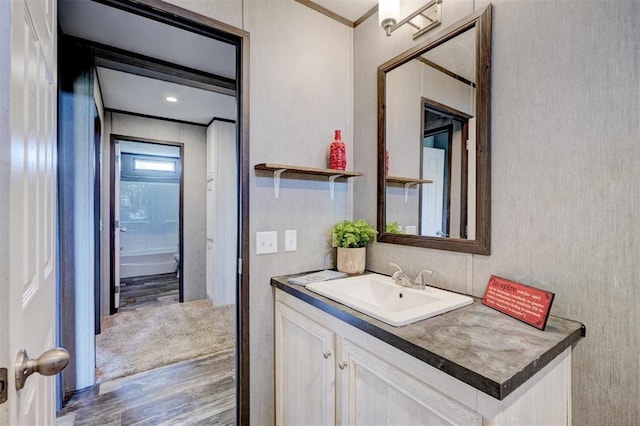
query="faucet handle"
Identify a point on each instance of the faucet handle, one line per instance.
(419, 279)
(398, 273)
(399, 269)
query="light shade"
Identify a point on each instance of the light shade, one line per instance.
(388, 14)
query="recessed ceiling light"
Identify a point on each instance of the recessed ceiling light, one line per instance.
(171, 99)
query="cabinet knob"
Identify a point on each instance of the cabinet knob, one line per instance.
(326, 354)
(342, 365)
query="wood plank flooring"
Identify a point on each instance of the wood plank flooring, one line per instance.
(196, 392)
(149, 290)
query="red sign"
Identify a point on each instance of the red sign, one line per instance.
(527, 304)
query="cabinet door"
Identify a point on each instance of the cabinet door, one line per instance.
(305, 370)
(376, 392)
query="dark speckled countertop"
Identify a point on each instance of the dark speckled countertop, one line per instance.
(480, 346)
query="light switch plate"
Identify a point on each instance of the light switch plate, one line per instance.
(266, 242)
(290, 240)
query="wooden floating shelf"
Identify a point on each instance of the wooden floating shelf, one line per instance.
(279, 169)
(303, 170)
(406, 180)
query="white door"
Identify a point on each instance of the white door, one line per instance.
(117, 229)
(305, 370)
(28, 80)
(432, 194)
(225, 214)
(471, 194)
(375, 391)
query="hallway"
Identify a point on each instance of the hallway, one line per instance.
(154, 336)
(149, 290)
(195, 392)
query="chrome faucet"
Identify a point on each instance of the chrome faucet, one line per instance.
(402, 279)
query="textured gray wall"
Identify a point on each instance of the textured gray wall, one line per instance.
(565, 173)
(301, 91)
(301, 69)
(564, 177)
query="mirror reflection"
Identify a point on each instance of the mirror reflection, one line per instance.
(430, 105)
(434, 156)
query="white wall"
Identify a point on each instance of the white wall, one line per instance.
(75, 221)
(105, 254)
(565, 153)
(565, 198)
(222, 213)
(300, 91)
(194, 140)
(403, 138)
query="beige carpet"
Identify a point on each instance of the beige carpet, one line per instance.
(151, 337)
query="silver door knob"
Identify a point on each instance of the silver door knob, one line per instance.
(49, 363)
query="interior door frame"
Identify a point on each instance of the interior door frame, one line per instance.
(186, 19)
(97, 203)
(448, 158)
(112, 161)
(463, 118)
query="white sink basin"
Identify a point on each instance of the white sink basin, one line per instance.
(380, 297)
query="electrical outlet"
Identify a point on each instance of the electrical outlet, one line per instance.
(290, 240)
(266, 242)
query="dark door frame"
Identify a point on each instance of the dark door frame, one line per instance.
(188, 20)
(112, 164)
(463, 118)
(446, 202)
(97, 214)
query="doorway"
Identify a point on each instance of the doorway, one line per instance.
(444, 158)
(176, 18)
(147, 226)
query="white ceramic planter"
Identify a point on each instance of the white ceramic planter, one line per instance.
(351, 260)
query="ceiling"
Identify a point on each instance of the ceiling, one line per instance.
(124, 91)
(457, 55)
(351, 10)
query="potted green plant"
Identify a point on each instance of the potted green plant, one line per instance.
(351, 239)
(393, 228)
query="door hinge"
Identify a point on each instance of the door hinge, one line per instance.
(4, 385)
(239, 266)
(467, 144)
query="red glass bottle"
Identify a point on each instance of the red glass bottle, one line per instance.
(338, 153)
(386, 163)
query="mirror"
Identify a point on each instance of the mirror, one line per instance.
(434, 141)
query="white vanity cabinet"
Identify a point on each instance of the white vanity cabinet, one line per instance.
(318, 370)
(374, 391)
(329, 372)
(305, 365)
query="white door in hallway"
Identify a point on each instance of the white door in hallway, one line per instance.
(432, 194)
(28, 100)
(117, 228)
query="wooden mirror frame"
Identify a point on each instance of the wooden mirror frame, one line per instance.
(481, 20)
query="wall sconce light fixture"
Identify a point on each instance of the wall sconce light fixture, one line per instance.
(422, 20)
(388, 14)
